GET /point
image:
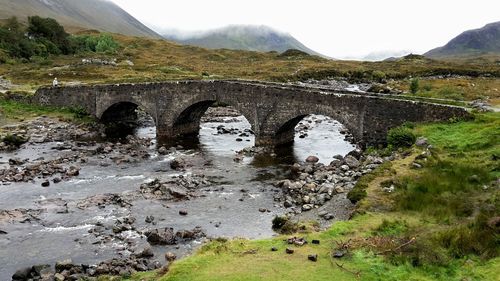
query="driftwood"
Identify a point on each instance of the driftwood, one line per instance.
(398, 247)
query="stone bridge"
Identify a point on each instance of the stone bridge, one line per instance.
(273, 110)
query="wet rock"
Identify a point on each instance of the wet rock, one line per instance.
(56, 180)
(183, 212)
(315, 242)
(73, 171)
(312, 159)
(59, 277)
(64, 265)
(338, 157)
(149, 219)
(178, 164)
(170, 257)
(262, 210)
(163, 150)
(328, 216)
(351, 162)
(274, 249)
(45, 183)
(295, 168)
(22, 274)
(16, 162)
(188, 235)
(146, 253)
(307, 207)
(289, 251)
(178, 191)
(164, 236)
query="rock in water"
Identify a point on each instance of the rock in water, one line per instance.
(164, 236)
(170, 257)
(312, 159)
(178, 164)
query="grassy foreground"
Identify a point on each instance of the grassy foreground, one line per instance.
(441, 223)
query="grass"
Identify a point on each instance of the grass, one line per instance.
(455, 88)
(19, 111)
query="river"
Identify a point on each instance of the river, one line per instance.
(58, 222)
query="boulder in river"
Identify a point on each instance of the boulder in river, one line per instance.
(178, 164)
(165, 236)
(312, 159)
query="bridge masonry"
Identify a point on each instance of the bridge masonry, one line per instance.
(273, 110)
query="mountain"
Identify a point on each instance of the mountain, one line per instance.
(101, 15)
(485, 40)
(383, 55)
(241, 37)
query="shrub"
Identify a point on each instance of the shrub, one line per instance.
(78, 112)
(284, 225)
(378, 76)
(14, 140)
(414, 85)
(103, 43)
(357, 193)
(391, 228)
(401, 137)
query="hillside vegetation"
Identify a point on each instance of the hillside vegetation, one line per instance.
(135, 59)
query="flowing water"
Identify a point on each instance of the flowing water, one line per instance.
(59, 228)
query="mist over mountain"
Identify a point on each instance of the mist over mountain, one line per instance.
(101, 15)
(240, 37)
(485, 40)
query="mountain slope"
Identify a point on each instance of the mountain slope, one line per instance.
(102, 15)
(472, 42)
(243, 37)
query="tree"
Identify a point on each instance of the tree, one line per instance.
(414, 85)
(49, 29)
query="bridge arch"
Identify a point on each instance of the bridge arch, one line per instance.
(186, 121)
(105, 109)
(282, 130)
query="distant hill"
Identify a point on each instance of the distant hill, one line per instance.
(485, 40)
(101, 15)
(242, 37)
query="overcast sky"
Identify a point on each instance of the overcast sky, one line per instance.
(341, 29)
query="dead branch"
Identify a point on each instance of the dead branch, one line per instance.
(341, 245)
(355, 273)
(398, 247)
